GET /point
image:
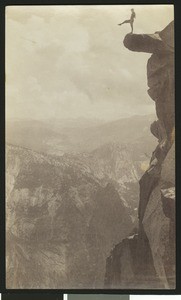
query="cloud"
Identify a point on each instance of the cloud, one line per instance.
(70, 61)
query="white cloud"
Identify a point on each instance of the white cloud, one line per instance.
(70, 61)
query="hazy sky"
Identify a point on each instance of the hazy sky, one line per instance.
(70, 62)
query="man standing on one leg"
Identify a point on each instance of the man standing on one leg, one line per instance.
(131, 20)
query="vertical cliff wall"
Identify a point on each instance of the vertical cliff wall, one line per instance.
(147, 259)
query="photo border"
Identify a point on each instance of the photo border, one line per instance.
(177, 19)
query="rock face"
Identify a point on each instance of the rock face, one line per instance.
(147, 259)
(116, 163)
(61, 221)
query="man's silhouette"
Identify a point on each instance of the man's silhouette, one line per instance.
(131, 20)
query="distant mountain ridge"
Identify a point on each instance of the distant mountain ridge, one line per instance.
(58, 138)
(72, 194)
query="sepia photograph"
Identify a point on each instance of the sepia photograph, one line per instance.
(90, 148)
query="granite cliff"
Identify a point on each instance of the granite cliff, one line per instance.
(147, 258)
(62, 219)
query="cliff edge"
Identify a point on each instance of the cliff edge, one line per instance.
(147, 259)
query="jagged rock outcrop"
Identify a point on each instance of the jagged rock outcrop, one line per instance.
(147, 259)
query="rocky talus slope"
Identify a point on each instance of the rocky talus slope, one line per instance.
(147, 259)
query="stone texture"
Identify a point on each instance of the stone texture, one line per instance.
(154, 246)
(168, 167)
(61, 220)
(148, 43)
(156, 227)
(168, 202)
(162, 41)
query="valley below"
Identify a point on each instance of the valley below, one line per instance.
(72, 194)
